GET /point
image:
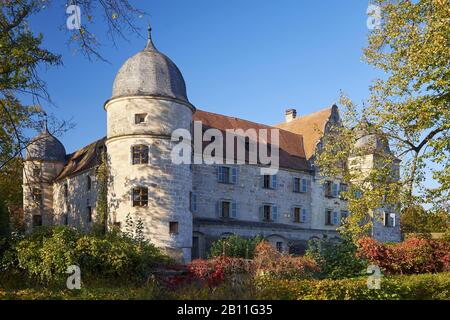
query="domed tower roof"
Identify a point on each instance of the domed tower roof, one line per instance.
(45, 147)
(150, 73)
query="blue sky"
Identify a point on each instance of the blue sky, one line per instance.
(247, 58)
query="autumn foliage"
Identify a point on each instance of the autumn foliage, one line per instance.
(414, 255)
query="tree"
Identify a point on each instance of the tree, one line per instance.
(4, 220)
(22, 91)
(407, 108)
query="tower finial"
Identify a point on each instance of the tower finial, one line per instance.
(150, 45)
(149, 30)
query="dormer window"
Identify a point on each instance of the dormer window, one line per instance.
(139, 118)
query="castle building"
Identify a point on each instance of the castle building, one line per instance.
(184, 207)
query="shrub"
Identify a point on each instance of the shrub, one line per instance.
(425, 286)
(45, 255)
(336, 259)
(215, 271)
(234, 246)
(269, 262)
(414, 255)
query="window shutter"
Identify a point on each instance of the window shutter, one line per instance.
(219, 173)
(293, 214)
(234, 175)
(335, 218)
(303, 215)
(274, 213)
(193, 202)
(131, 155)
(234, 209)
(218, 208)
(274, 181)
(261, 213)
(304, 185)
(335, 190)
(261, 181)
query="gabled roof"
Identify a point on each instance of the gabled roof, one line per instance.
(311, 127)
(291, 150)
(83, 159)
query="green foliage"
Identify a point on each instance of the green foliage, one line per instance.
(416, 220)
(235, 246)
(336, 258)
(4, 220)
(45, 255)
(417, 287)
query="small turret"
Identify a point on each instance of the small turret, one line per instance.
(45, 158)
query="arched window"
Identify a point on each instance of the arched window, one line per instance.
(140, 197)
(140, 154)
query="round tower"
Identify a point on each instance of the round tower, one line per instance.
(148, 103)
(45, 158)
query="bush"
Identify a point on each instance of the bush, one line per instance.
(414, 255)
(337, 259)
(417, 287)
(45, 255)
(268, 262)
(235, 246)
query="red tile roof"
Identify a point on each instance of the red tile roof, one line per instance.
(291, 151)
(310, 126)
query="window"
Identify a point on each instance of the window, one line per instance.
(37, 195)
(139, 118)
(37, 220)
(117, 224)
(279, 246)
(173, 227)
(269, 213)
(225, 209)
(269, 181)
(226, 175)
(66, 191)
(329, 217)
(296, 184)
(66, 219)
(140, 197)
(89, 183)
(342, 188)
(89, 214)
(331, 189)
(297, 214)
(389, 220)
(36, 172)
(140, 154)
(193, 202)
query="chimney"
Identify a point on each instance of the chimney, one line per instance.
(290, 114)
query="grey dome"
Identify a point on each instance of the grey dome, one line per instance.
(150, 72)
(45, 147)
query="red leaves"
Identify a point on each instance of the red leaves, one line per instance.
(411, 256)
